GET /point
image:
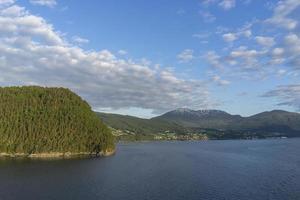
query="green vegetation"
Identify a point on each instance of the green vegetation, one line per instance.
(44, 120)
(183, 124)
(128, 128)
(131, 124)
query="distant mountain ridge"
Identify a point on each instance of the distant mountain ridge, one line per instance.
(216, 123)
(201, 118)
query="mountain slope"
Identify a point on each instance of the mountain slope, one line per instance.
(273, 121)
(139, 125)
(37, 120)
(214, 123)
(215, 119)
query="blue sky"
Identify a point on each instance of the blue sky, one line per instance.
(144, 58)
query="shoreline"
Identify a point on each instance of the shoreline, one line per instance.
(207, 139)
(54, 155)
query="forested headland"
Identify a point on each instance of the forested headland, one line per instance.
(38, 120)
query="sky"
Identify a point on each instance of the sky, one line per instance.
(144, 58)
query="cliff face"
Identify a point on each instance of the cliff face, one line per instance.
(36, 120)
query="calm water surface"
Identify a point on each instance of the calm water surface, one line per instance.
(235, 170)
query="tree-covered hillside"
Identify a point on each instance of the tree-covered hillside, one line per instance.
(215, 124)
(43, 120)
(139, 125)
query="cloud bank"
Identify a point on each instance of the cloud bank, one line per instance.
(256, 57)
(48, 3)
(288, 95)
(32, 52)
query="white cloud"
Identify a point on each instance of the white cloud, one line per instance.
(6, 2)
(33, 52)
(229, 37)
(13, 11)
(213, 59)
(292, 42)
(186, 55)
(278, 52)
(281, 72)
(292, 50)
(25, 25)
(80, 40)
(202, 35)
(277, 57)
(265, 41)
(243, 52)
(254, 64)
(219, 81)
(288, 95)
(208, 2)
(207, 16)
(122, 52)
(224, 4)
(246, 33)
(248, 59)
(281, 14)
(48, 3)
(241, 63)
(227, 4)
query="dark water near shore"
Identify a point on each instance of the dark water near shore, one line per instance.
(235, 170)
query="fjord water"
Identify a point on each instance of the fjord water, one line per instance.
(239, 169)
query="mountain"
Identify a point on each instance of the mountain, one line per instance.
(139, 125)
(215, 124)
(215, 119)
(37, 120)
(273, 121)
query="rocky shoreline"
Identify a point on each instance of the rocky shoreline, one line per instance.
(51, 155)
